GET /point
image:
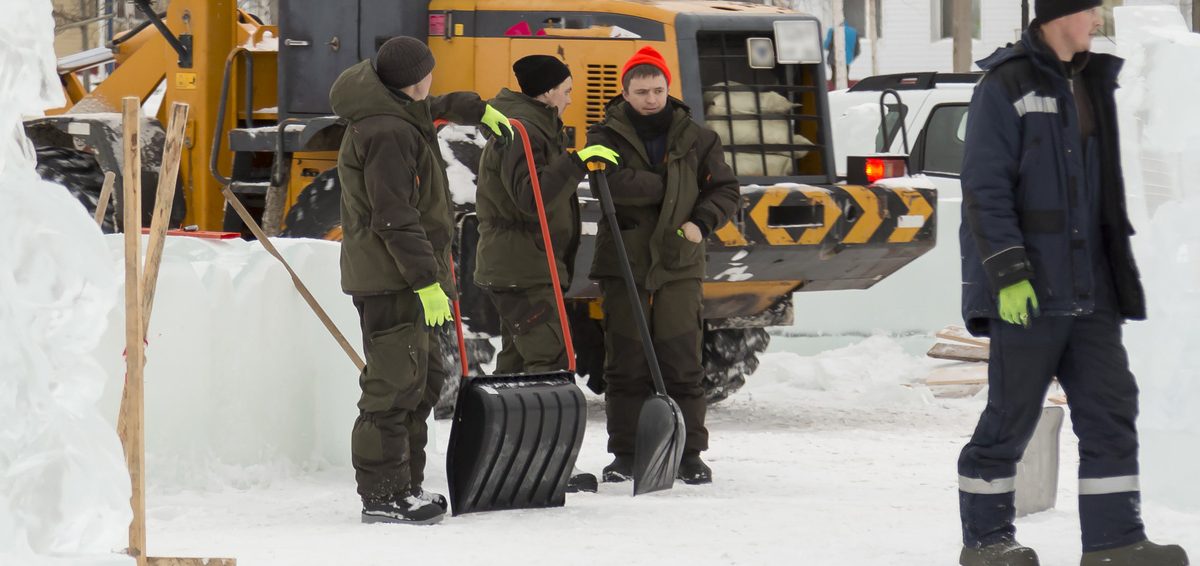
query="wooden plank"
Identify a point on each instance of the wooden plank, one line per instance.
(960, 334)
(248, 220)
(110, 179)
(936, 382)
(162, 561)
(164, 198)
(957, 352)
(130, 427)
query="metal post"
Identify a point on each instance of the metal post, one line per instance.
(1024, 15)
(963, 30)
(872, 35)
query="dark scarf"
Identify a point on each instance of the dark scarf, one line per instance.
(653, 130)
(653, 126)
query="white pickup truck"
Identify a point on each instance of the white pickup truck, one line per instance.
(925, 295)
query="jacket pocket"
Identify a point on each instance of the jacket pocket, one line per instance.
(394, 374)
(679, 252)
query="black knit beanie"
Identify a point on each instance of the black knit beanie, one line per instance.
(1047, 10)
(539, 74)
(403, 61)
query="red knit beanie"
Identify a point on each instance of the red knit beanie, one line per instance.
(647, 56)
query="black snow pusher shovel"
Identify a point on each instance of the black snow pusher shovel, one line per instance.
(660, 431)
(515, 438)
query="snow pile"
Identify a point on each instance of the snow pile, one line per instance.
(874, 372)
(1160, 130)
(64, 491)
(243, 383)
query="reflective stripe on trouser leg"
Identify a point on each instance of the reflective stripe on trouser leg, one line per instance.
(984, 487)
(1022, 362)
(1103, 396)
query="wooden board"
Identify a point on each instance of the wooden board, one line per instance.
(960, 334)
(110, 179)
(159, 561)
(130, 428)
(956, 352)
(164, 199)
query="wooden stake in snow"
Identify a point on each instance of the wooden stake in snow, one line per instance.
(110, 179)
(139, 301)
(164, 198)
(133, 436)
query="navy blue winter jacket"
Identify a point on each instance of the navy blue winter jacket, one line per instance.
(1024, 168)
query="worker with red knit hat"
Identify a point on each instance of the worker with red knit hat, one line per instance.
(672, 190)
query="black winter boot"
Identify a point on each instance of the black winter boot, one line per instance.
(582, 481)
(405, 508)
(620, 470)
(1004, 553)
(1144, 553)
(693, 470)
(434, 498)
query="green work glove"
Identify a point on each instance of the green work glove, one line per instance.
(436, 305)
(1015, 303)
(597, 153)
(498, 123)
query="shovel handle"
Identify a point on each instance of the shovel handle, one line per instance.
(600, 186)
(458, 329)
(551, 262)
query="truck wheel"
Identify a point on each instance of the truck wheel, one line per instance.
(318, 210)
(730, 354)
(80, 173)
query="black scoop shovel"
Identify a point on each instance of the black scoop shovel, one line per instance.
(660, 432)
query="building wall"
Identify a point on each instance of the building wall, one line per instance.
(907, 44)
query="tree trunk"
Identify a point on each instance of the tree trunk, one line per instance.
(963, 31)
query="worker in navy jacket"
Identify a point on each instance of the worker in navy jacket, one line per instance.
(1049, 275)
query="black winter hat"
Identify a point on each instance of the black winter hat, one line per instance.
(539, 74)
(1047, 10)
(403, 61)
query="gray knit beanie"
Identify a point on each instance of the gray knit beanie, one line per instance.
(403, 61)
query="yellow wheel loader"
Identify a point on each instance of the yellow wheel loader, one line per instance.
(261, 123)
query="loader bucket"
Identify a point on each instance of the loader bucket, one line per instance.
(514, 441)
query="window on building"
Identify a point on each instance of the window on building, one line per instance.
(943, 19)
(945, 135)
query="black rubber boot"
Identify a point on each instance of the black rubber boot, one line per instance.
(1005, 553)
(407, 508)
(1144, 553)
(582, 481)
(693, 470)
(620, 470)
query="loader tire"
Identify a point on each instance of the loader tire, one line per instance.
(479, 352)
(730, 354)
(80, 173)
(318, 210)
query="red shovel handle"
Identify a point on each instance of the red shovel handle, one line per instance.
(550, 261)
(458, 329)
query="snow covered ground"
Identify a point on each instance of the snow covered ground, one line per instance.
(828, 459)
(833, 454)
